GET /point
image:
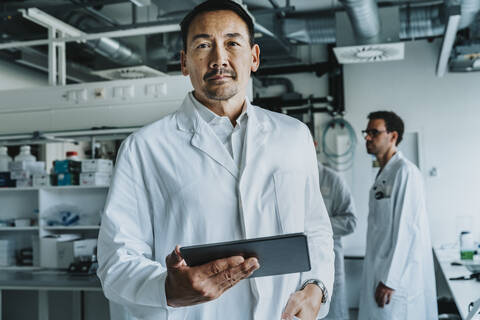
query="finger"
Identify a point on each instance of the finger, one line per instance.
(380, 299)
(388, 297)
(174, 259)
(377, 297)
(292, 307)
(215, 267)
(232, 276)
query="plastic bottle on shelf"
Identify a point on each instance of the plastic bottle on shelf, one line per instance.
(4, 159)
(25, 154)
(467, 247)
(72, 155)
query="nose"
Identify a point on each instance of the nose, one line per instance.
(368, 137)
(218, 57)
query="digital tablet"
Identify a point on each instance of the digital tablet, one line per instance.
(281, 254)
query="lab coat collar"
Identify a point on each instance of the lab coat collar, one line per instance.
(204, 138)
(397, 156)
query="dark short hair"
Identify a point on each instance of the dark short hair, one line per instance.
(216, 5)
(392, 122)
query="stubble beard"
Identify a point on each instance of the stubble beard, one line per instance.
(221, 94)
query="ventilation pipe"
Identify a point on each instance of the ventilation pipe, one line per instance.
(363, 16)
(107, 47)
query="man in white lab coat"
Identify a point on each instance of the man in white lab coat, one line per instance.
(398, 274)
(341, 210)
(218, 169)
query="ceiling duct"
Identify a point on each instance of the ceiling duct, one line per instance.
(310, 30)
(364, 18)
(421, 22)
(358, 43)
(107, 47)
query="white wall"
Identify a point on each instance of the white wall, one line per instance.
(17, 77)
(446, 113)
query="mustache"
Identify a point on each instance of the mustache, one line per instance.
(220, 72)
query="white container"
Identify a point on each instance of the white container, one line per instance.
(23, 222)
(97, 165)
(19, 175)
(41, 180)
(25, 154)
(95, 179)
(7, 252)
(57, 250)
(84, 247)
(37, 167)
(467, 245)
(24, 183)
(18, 166)
(4, 159)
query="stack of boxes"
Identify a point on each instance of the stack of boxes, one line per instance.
(23, 171)
(96, 172)
(66, 172)
(5, 180)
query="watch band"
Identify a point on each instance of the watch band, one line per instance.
(320, 285)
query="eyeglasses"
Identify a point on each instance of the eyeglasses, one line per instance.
(372, 132)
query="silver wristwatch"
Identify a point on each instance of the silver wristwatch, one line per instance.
(320, 285)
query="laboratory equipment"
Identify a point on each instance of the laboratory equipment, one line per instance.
(25, 155)
(467, 247)
(4, 159)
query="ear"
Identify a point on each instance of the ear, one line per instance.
(183, 62)
(394, 137)
(255, 58)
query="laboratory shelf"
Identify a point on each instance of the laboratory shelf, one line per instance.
(72, 228)
(20, 268)
(52, 188)
(31, 228)
(18, 189)
(73, 187)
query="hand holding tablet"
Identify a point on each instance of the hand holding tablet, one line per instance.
(277, 255)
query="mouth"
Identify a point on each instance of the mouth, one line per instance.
(219, 75)
(218, 78)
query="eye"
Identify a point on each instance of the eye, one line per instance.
(202, 46)
(234, 44)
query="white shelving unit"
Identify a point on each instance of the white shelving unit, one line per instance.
(39, 204)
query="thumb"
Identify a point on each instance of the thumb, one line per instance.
(174, 259)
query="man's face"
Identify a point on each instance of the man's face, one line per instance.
(378, 140)
(219, 58)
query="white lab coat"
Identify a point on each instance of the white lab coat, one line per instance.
(341, 210)
(399, 252)
(175, 183)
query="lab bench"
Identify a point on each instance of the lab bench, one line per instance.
(463, 291)
(44, 281)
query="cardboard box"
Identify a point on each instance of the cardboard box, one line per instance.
(95, 179)
(20, 175)
(66, 179)
(24, 183)
(56, 251)
(84, 247)
(6, 181)
(97, 165)
(41, 180)
(67, 166)
(33, 167)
